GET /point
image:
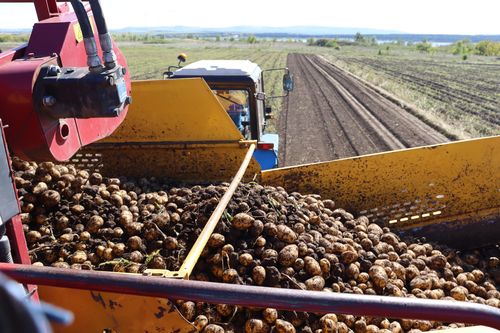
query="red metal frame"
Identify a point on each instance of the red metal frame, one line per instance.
(33, 135)
(14, 228)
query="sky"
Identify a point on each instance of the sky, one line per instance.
(407, 16)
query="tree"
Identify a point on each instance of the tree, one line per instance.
(251, 39)
(359, 38)
(424, 46)
(488, 48)
(462, 47)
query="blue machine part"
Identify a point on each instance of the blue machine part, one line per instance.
(268, 159)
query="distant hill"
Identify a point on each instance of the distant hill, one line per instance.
(306, 32)
(295, 30)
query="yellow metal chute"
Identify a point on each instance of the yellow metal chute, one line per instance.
(175, 129)
(452, 182)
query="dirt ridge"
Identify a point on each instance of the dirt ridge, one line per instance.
(332, 115)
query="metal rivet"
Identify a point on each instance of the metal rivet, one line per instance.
(110, 80)
(49, 101)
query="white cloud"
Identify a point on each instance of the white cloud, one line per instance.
(417, 16)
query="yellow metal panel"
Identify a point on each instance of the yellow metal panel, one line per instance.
(175, 111)
(191, 163)
(408, 187)
(96, 311)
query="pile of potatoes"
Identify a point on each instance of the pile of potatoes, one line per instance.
(266, 237)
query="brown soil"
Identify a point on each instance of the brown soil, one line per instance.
(332, 115)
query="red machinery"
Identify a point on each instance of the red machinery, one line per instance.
(56, 93)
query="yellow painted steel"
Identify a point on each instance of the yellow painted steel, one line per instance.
(190, 163)
(181, 110)
(175, 129)
(97, 311)
(407, 188)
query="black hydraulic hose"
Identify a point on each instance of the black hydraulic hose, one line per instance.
(83, 19)
(98, 17)
(93, 60)
(108, 55)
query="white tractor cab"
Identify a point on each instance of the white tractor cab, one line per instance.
(239, 86)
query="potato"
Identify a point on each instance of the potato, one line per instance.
(288, 255)
(256, 326)
(329, 323)
(495, 302)
(225, 309)
(325, 266)
(283, 326)
(242, 221)
(395, 327)
(50, 198)
(372, 329)
(421, 282)
(349, 257)
(437, 261)
(135, 243)
(315, 283)
(212, 328)
(459, 293)
(200, 322)
(312, 266)
(40, 188)
(343, 328)
(378, 275)
(360, 326)
(33, 236)
(126, 218)
(285, 234)
(259, 275)
(260, 242)
(188, 310)
(423, 325)
(216, 240)
(230, 276)
(270, 315)
(328, 326)
(245, 259)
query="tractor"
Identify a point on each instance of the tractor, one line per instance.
(239, 87)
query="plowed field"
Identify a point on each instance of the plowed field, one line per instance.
(332, 115)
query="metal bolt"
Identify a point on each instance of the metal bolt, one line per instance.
(48, 101)
(54, 70)
(110, 80)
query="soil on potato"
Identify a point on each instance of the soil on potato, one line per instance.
(332, 115)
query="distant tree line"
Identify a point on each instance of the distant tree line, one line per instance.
(14, 38)
(324, 42)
